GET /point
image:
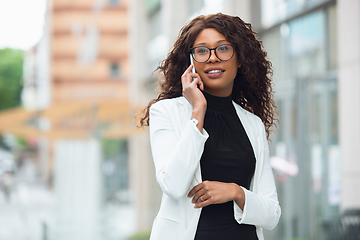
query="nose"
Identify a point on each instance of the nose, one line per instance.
(213, 57)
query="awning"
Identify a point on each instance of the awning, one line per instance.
(108, 119)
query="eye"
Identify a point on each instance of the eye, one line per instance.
(222, 48)
(201, 50)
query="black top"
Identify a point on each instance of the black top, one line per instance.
(228, 157)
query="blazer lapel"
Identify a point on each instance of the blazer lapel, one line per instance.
(249, 126)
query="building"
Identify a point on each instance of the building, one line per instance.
(89, 50)
(77, 85)
(308, 46)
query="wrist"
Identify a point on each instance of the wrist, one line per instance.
(236, 192)
(200, 109)
(239, 196)
(199, 114)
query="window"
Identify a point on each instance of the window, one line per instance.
(114, 70)
(115, 170)
(114, 3)
(303, 53)
(152, 6)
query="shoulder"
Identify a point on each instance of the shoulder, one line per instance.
(170, 103)
(174, 111)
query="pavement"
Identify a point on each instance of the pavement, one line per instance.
(23, 215)
(29, 214)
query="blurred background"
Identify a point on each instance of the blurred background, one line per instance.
(74, 73)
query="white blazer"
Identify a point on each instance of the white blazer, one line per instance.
(177, 146)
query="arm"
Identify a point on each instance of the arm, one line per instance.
(176, 158)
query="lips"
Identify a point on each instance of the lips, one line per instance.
(214, 72)
(214, 69)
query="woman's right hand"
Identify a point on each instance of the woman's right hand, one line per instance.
(190, 82)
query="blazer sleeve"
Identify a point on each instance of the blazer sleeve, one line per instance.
(176, 158)
(261, 205)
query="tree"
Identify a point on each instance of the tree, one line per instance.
(11, 72)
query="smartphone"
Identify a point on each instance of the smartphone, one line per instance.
(193, 69)
(192, 63)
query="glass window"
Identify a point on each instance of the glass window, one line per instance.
(303, 55)
(114, 70)
(307, 45)
(115, 169)
(332, 38)
(275, 11)
(114, 2)
(152, 6)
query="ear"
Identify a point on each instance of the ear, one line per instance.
(239, 64)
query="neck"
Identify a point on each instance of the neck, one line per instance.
(218, 93)
(220, 104)
(225, 91)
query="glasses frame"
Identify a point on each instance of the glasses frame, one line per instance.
(191, 51)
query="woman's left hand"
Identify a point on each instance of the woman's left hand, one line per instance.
(213, 192)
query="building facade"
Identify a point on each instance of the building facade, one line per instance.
(301, 41)
(308, 46)
(89, 50)
(77, 80)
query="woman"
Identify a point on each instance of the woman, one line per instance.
(209, 131)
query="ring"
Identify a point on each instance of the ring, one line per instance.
(201, 199)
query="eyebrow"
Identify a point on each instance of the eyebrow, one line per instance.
(206, 43)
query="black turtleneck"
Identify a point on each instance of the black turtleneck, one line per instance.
(228, 157)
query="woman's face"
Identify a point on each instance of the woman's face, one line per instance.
(218, 76)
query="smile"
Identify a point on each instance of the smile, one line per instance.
(214, 71)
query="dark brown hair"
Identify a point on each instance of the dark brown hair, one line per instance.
(252, 85)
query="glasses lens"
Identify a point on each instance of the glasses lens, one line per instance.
(201, 54)
(224, 52)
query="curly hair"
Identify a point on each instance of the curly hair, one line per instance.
(252, 85)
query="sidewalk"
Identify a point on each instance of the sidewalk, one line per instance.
(22, 217)
(32, 213)
(31, 206)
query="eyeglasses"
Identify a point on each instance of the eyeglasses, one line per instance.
(202, 54)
